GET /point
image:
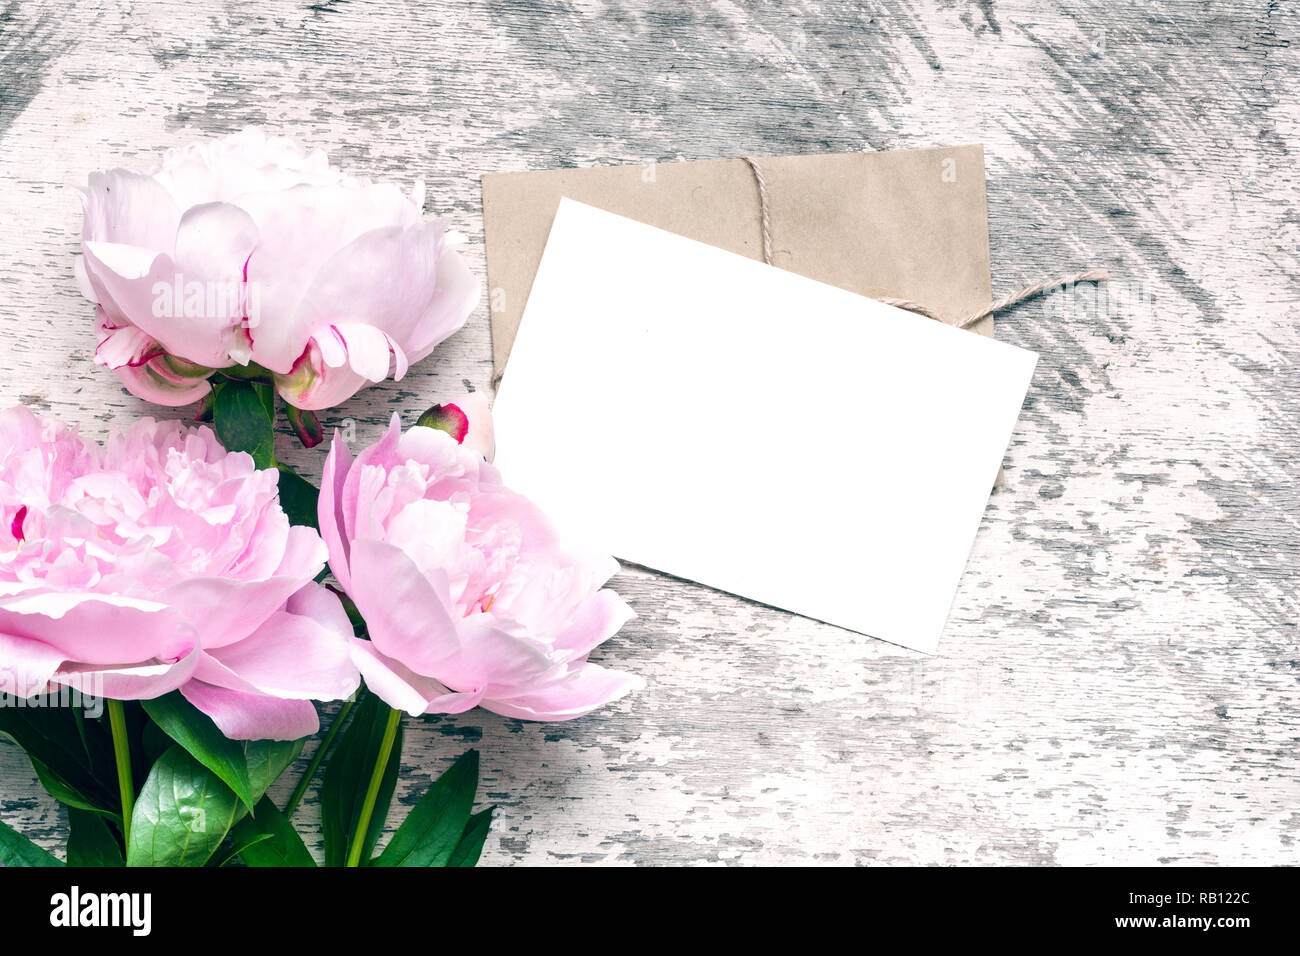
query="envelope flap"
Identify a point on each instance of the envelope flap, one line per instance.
(905, 223)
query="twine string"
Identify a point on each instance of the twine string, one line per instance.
(1006, 302)
(764, 211)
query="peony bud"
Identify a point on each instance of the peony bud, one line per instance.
(447, 418)
(306, 426)
(468, 419)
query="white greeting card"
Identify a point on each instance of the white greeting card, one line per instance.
(724, 421)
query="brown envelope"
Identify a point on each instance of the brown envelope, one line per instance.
(908, 224)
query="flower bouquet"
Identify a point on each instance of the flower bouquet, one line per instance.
(176, 606)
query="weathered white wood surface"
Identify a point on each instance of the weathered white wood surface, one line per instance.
(1118, 682)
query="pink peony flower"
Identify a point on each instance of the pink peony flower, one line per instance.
(249, 249)
(157, 563)
(468, 596)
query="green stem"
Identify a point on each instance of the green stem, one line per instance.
(122, 756)
(372, 792)
(309, 774)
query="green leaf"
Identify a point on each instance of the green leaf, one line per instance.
(266, 393)
(298, 498)
(71, 793)
(470, 847)
(267, 759)
(153, 742)
(91, 842)
(195, 731)
(206, 405)
(234, 848)
(72, 758)
(280, 844)
(433, 829)
(252, 372)
(347, 776)
(181, 815)
(17, 850)
(243, 422)
(79, 721)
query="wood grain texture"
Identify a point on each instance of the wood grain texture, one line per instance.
(1118, 681)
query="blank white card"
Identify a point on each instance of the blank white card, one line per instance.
(706, 415)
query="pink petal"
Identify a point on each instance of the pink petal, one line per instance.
(401, 364)
(26, 665)
(296, 656)
(16, 526)
(212, 671)
(130, 208)
(402, 304)
(96, 628)
(141, 682)
(600, 618)
(142, 364)
(454, 300)
(332, 345)
(214, 241)
(252, 716)
(226, 610)
(582, 691)
(367, 347)
(122, 278)
(301, 229)
(312, 384)
(492, 654)
(140, 286)
(140, 383)
(125, 346)
(304, 554)
(406, 617)
(83, 280)
(323, 606)
(403, 689)
(329, 509)
(382, 454)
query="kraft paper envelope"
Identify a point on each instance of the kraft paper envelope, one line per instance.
(752, 429)
(904, 224)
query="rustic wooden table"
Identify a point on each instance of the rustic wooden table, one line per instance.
(1118, 681)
